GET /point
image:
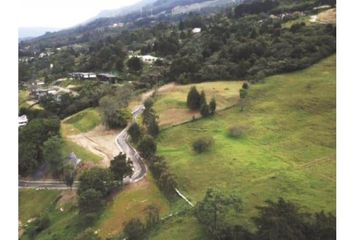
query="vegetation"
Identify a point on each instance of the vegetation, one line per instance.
(203, 144)
(82, 121)
(147, 147)
(134, 229)
(31, 139)
(171, 100)
(134, 132)
(121, 167)
(289, 153)
(52, 154)
(193, 99)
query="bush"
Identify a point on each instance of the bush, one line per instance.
(203, 144)
(235, 132)
(134, 229)
(147, 146)
(38, 225)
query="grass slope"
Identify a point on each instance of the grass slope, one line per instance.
(172, 100)
(180, 227)
(34, 202)
(287, 150)
(82, 153)
(80, 122)
(131, 203)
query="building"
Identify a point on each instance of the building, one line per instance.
(83, 75)
(196, 30)
(107, 77)
(74, 160)
(22, 120)
(146, 58)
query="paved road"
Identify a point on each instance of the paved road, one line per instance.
(45, 184)
(139, 167)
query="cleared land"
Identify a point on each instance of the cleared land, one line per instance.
(287, 148)
(131, 203)
(171, 106)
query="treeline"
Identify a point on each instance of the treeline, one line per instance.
(143, 137)
(39, 143)
(276, 220)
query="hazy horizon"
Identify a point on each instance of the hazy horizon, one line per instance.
(64, 14)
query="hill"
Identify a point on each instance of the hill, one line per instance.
(287, 147)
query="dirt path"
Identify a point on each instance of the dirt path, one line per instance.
(99, 141)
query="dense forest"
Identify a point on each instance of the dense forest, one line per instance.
(248, 41)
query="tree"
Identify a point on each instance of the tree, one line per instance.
(202, 99)
(90, 201)
(116, 118)
(153, 127)
(204, 110)
(245, 85)
(147, 147)
(28, 158)
(212, 106)
(202, 144)
(121, 167)
(69, 175)
(193, 99)
(134, 229)
(98, 179)
(135, 64)
(214, 209)
(53, 155)
(153, 216)
(243, 94)
(134, 132)
(281, 220)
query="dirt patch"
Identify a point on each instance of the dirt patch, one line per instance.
(179, 115)
(328, 16)
(99, 141)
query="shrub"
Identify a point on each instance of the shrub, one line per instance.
(235, 132)
(134, 229)
(147, 146)
(202, 144)
(204, 110)
(193, 99)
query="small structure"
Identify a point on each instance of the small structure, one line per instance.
(196, 30)
(22, 120)
(74, 160)
(83, 75)
(107, 77)
(146, 58)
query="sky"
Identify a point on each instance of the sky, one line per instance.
(63, 13)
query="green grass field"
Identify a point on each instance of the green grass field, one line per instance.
(131, 203)
(171, 106)
(287, 149)
(29, 199)
(180, 227)
(63, 224)
(80, 122)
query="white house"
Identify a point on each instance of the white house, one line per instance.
(22, 120)
(196, 30)
(146, 58)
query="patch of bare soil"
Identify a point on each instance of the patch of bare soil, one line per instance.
(164, 88)
(328, 16)
(180, 115)
(99, 141)
(67, 196)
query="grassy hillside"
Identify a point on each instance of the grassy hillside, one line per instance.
(181, 227)
(287, 148)
(171, 101)
(130, 203)
(29, 200)
(82, 153)
(83, 121)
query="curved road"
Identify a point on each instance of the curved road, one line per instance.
(139, 167)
